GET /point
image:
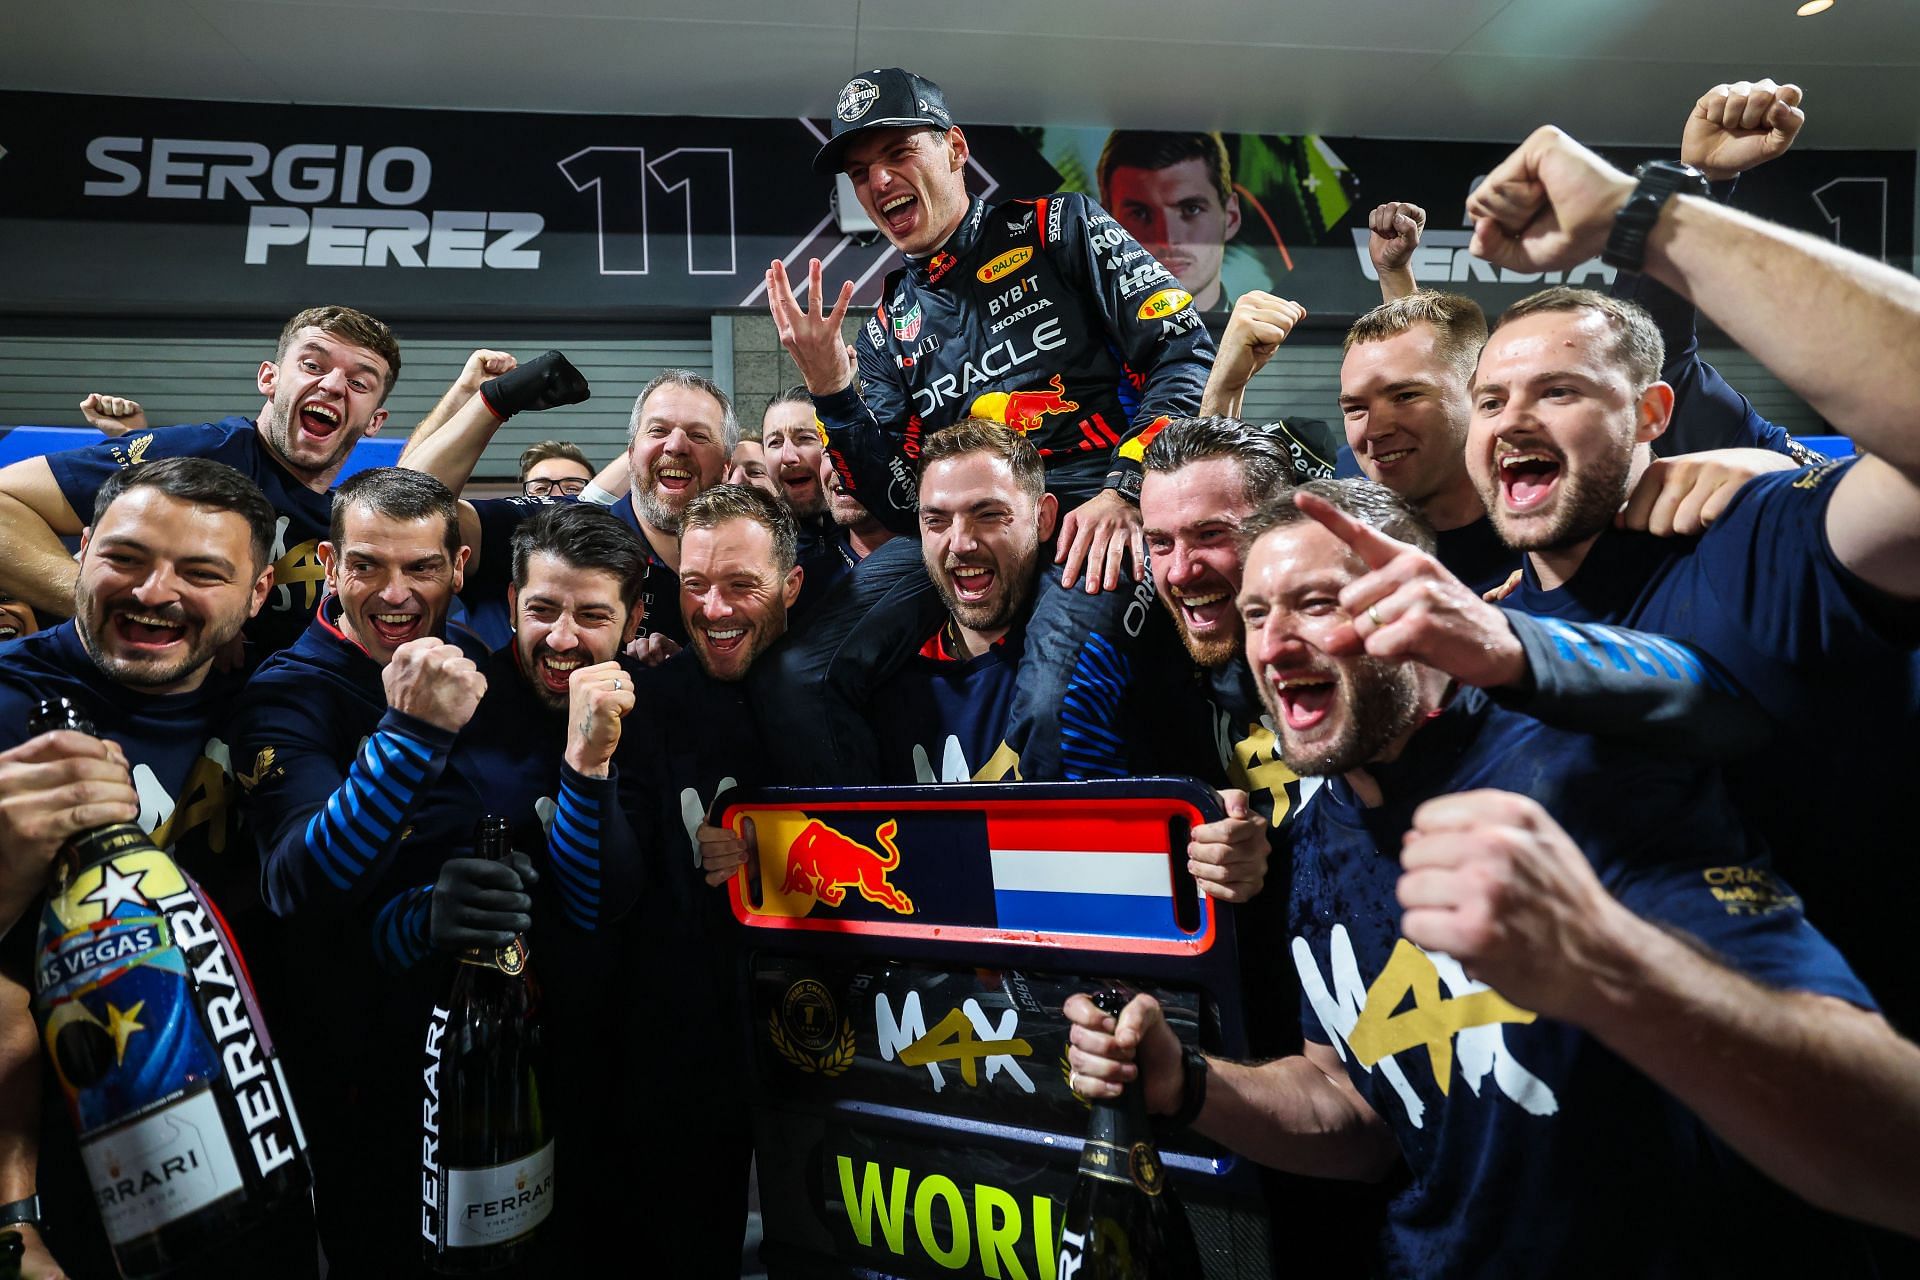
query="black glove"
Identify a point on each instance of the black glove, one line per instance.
(481, 903)
(545, 382)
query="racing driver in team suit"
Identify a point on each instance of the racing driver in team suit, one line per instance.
(1044, 315)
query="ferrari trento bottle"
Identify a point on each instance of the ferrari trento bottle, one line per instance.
(1123, 1221)
(186, 1128)
(487, 1155)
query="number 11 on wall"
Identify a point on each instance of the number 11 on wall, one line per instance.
(621, 179)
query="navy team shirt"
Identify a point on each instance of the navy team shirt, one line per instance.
(300, 514)
(659, 992)
(176, 746)
(943, 717)
(660, 595)
(1533, 1149)
(1829, 660)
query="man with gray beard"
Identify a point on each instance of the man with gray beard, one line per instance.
(679, 439)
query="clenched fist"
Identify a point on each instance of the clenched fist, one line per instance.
(1736, 127)
(113, 415)
(433, 680)
(1259, 324)
(1393, 233)
(1492, 880)
(599, 698)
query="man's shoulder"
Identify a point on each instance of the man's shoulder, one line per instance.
(230, 440)
(32, 668)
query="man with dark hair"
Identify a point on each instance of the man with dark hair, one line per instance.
(331, 371)
(795, 444)
(1174, 193)
(1417, 865)
(544, 750)
(1797, 588)
(172, 564)
(741, 578)
(339, 740)
(748, 462)
(554, 467)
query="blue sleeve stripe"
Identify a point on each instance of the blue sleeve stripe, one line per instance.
(583, 880)
(410, 768)
(359, 819)
(581, 833)
(579, 908)
(571, 856)
(334, 822)
(401, 930)
(1089, 748)
(420, 751)
(316, 841)
(573, 849)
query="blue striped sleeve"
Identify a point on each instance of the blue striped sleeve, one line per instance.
(1090, 744)
(402, 931)
(348, 839)
(591, 850)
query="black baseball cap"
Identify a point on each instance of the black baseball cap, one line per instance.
(889, 98)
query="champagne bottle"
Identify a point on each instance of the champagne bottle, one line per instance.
(487, 1156)
(186, 1127)
(1123, 1220)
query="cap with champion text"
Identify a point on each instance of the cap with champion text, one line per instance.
(889, 98)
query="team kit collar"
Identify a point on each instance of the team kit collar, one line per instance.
(931, 270)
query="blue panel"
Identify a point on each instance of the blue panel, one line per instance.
(17, 443)
(1117, 914)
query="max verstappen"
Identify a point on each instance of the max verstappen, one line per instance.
(1043, 315)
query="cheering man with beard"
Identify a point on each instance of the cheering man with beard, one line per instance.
(678, 443)
(1454, 845)
(172, 565)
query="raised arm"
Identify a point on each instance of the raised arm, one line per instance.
(480, 366)
(327, 832)
(1393, 233)
(1299, 1113)
(1828, 1095)
(452, 449)
(35, 565)
(1259, 324)
(1852, 351)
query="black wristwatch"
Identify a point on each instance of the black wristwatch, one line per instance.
(1193, 1087)
(21, 1212)
(1659, 181)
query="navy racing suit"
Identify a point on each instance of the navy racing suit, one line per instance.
(1046, 316)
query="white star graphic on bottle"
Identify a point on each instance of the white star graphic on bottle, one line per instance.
(115, 889)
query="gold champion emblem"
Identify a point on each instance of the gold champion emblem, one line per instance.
(808, 1032)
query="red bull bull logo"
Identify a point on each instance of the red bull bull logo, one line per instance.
(1023, 411)
(825, 863)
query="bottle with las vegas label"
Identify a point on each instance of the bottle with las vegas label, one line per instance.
(185, 1124)
(1123, 1220)
(486, 1152)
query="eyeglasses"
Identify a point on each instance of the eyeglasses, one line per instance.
(568, 488)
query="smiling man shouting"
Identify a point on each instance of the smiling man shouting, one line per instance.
(330, 374)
